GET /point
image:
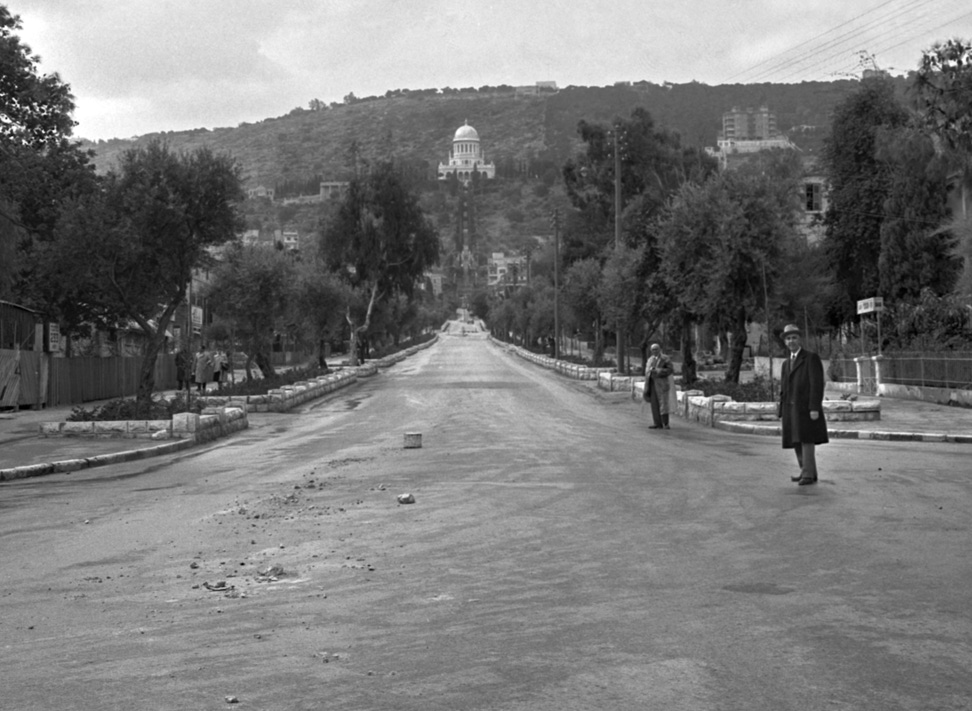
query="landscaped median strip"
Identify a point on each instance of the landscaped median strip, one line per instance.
(705, 409)
(188, 429)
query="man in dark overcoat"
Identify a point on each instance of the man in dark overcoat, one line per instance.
(801, 405)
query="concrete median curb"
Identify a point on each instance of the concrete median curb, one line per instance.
(72, 465)
(879, 435)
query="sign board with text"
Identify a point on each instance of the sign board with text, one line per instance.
(197, 318)
(867, 306)
(53, 337)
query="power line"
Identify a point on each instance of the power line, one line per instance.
(909, 37)
(805, 42)
(911, 21)
(831, 49)
(929, 30)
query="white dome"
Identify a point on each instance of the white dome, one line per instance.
(466, 133)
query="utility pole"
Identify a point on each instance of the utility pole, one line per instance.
(556, 221)
(769, 333)
(189, 355)
(617, 239)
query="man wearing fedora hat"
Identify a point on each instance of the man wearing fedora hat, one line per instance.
(801, 405)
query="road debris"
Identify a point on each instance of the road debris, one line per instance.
(219, 586)
(270, 573)
(406, 499)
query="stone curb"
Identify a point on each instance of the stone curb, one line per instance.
(72, 465)
(880, 435)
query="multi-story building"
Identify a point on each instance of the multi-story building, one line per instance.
(749, 124)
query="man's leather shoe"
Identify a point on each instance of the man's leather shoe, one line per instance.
(654, 427)
(804, 481)
(796, 478)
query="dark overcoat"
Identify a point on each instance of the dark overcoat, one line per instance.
(801, 391)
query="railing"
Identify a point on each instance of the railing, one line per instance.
(842, 370)
(951, 370)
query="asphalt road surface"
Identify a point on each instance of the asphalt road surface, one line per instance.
(559, 555)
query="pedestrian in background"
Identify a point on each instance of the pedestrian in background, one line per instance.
(658, 388)
(801, 405)
(220, 367)
(203, 368)
(183, 368)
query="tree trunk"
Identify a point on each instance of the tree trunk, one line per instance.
(598, 341)
(689, 370)
(146, 378)
(265, 364)
(738, 347)
(356, 331)
(321, 360)
(156, 339)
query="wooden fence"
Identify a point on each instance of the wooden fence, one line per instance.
(23, 381)
(31, 379)
(78, 380)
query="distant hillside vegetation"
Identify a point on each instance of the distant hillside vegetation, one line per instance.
(416, 128)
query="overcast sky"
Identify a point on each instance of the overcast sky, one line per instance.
(138, 66)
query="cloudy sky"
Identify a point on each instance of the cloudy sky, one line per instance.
(138, 66)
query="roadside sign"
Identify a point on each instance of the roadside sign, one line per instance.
(53, 336)
(867, 306)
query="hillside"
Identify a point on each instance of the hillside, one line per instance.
(527, 137)
(418, 127)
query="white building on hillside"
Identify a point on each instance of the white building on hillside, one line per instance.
(466, 157)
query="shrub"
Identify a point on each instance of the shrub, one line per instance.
(127, 409)
(758, 390)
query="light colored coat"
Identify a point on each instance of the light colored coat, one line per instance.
(203, 367)
(658, 374)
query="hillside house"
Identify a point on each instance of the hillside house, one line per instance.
(260, 191)
(505, 270)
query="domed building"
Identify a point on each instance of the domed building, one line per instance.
(466, 156)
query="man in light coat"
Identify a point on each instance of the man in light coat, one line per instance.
(658, 370)
(203, 368)
(801, 405)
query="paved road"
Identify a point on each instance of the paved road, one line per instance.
(558, 556)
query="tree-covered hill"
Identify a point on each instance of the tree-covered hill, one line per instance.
(521, 134)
